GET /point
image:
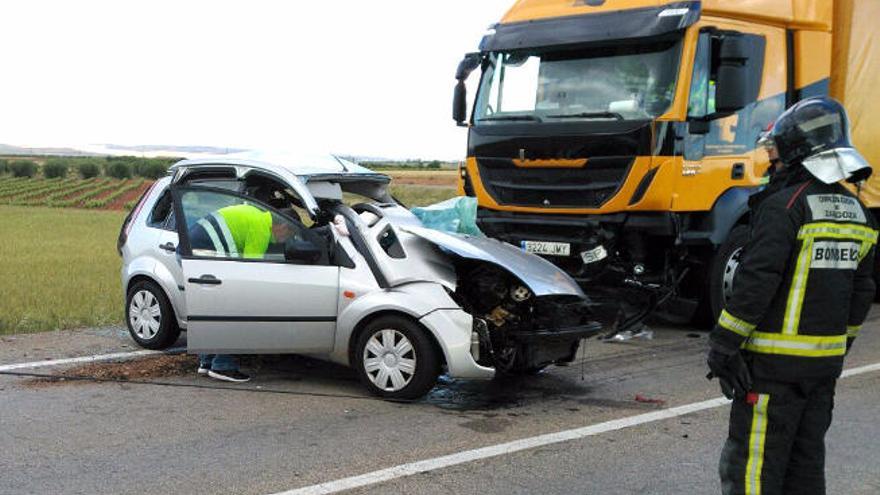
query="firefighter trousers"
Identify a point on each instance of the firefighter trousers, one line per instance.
(776, 439)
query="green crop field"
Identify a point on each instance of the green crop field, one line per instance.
(60, 268)
(70, 192)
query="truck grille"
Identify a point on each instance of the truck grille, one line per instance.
(585, 187)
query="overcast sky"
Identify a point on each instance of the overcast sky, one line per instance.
(347, 76)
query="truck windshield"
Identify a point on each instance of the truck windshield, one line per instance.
(621, 83)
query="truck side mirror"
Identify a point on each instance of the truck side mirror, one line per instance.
(736, 85)
(459, 104)
(459, 101)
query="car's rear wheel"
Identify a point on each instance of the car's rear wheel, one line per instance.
(150, 317)
(395, 358)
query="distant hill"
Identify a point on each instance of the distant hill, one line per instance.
(6, 149)
(153, 148)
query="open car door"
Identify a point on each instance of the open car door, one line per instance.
(256, 280)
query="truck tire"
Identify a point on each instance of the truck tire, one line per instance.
(723, 269)
(396, 359)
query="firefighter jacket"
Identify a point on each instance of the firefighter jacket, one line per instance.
(804, 284)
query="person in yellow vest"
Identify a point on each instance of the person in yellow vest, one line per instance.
(237, 231)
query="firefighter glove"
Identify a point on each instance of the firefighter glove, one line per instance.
(731, 370)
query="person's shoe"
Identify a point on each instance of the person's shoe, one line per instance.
(203, 369)
(229, 376)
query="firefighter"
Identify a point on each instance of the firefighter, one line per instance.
(801, 292)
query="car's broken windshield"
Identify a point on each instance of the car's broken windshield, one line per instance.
(612, 82)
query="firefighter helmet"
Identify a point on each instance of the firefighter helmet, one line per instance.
(815, 133)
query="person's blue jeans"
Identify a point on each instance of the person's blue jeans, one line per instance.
(218, 362)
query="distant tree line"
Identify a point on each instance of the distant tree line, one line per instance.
(118, 167)
(409, 164)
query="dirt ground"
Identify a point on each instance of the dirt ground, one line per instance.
(131, 196)
(162, 366)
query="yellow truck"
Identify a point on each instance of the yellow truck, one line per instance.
(617, 137)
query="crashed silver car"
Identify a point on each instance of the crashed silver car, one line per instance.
(365, 285)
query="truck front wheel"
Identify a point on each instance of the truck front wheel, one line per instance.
(723, 269)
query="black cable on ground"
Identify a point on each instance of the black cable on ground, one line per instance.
(197, 386)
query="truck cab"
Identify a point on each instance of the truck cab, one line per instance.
(618, 137)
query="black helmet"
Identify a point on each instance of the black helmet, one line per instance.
(815, 133)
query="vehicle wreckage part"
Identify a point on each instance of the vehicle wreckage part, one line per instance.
(453, 328)
(397, 359)
(539, 275)
(518, 332)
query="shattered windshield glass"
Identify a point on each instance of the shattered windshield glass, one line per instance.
(620, 82)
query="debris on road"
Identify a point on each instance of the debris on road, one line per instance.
(626, 335)
(150, 367)
(648, 400)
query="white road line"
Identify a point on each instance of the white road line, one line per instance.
(466, 456)
(861, 370)
(84, 359)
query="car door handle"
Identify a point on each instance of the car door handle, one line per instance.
(168, 247)
(206, 280)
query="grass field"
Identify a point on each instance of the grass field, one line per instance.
(423, 177)
(59, 268)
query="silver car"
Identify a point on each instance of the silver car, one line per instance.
(366, 285)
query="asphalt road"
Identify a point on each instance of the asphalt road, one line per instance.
(303, 422)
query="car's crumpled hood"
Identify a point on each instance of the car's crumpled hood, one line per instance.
(541, 276)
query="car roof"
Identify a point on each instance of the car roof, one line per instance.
(301, 165)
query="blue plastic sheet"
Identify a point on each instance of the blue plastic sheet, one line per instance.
(456, 215)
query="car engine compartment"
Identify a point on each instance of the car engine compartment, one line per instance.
(518, 331)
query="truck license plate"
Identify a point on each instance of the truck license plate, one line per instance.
(593, 255)
(547, 248)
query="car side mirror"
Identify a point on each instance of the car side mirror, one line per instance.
(733, 86)
(459, 100)
(301, 251)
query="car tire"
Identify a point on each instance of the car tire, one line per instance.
(396, 359)
(723, 269)
(150, 317)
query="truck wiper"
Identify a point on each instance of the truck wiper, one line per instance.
(588, 115)
(512, 117)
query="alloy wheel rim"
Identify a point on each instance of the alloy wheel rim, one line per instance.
(389, 360)
(729, 273)
(145, 314)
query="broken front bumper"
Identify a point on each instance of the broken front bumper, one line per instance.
(569, 333)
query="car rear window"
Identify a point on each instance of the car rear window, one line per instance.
(162, 216)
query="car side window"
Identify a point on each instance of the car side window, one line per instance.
(162, 216)
(229, 226)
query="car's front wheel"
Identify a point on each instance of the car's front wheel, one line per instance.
(395, 358)
(149, 316)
